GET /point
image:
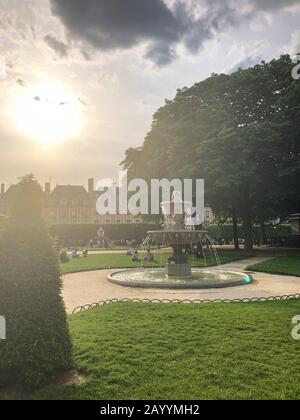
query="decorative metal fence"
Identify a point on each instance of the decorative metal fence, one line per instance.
(185, 301)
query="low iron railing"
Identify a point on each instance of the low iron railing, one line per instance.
(100, 304)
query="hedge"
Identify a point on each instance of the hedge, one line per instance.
(80, 235)
(38, 342)
(219, 232)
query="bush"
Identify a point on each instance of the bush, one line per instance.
(38, 342)
(74, 235)
(80, 235)
(225, 231)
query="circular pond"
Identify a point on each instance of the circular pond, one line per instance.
(200, 279)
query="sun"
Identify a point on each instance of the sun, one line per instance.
(47, 113)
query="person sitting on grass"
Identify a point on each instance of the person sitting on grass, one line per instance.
(130, 252)
(135, 257)
(149, 257)
(74, 253)
(63, 257)
(85, 253)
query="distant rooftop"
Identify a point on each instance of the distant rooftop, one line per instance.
(69, 191)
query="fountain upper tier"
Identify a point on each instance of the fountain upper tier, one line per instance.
(176, 237)
(177, 228)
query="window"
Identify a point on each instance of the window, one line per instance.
(63, 202)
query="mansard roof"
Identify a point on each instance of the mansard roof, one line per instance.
(69, 192)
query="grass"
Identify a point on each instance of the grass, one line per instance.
(283, 265)
(158, 351)
(107, 261)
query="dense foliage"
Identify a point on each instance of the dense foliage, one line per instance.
(38, 342)
(239, 132)
(225, 232)
(80, 235)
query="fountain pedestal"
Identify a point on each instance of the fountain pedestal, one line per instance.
(178, 264)
(179, 270)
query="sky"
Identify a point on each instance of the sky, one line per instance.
(81, 79)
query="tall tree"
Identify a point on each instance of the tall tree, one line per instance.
(240, 133)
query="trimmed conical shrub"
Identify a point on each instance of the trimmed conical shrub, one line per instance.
(37, 341)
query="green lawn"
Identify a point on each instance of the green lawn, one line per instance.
(282, 265)
(160, 351)
(107, 261)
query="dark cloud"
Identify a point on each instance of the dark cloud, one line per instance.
(123, 24)
(161, 53)
(86, 55)
(60, 48)
(22, 83)
(84, 103)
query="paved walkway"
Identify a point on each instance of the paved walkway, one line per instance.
(263, 251)
(90, 287)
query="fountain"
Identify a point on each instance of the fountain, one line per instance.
(179, 234)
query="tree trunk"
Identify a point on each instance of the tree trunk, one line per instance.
(235, 228)
(248, 232)
(263, 233)
(247, 219)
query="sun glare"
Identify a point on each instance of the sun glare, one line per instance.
(47, 113)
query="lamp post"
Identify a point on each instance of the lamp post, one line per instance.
(100, 233)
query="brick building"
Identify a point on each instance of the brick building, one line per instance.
(69, 205)
(75, 205)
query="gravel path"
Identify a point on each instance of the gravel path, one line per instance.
(90, 287)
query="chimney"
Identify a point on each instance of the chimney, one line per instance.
(47, 188)
(2, 189)
(91, 185)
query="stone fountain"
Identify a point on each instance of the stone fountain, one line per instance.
(179, 234)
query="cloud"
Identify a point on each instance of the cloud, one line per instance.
(160, 53)
(160, 24)
(294, 47)
(245, 56)
(120, 24)
(60, 48)
(124, 24)
(86, 55)
(270, 5)
(246, 62)
(84, 102)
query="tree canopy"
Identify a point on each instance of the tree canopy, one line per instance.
(239, 132)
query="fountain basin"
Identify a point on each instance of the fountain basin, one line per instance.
(201, 279)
